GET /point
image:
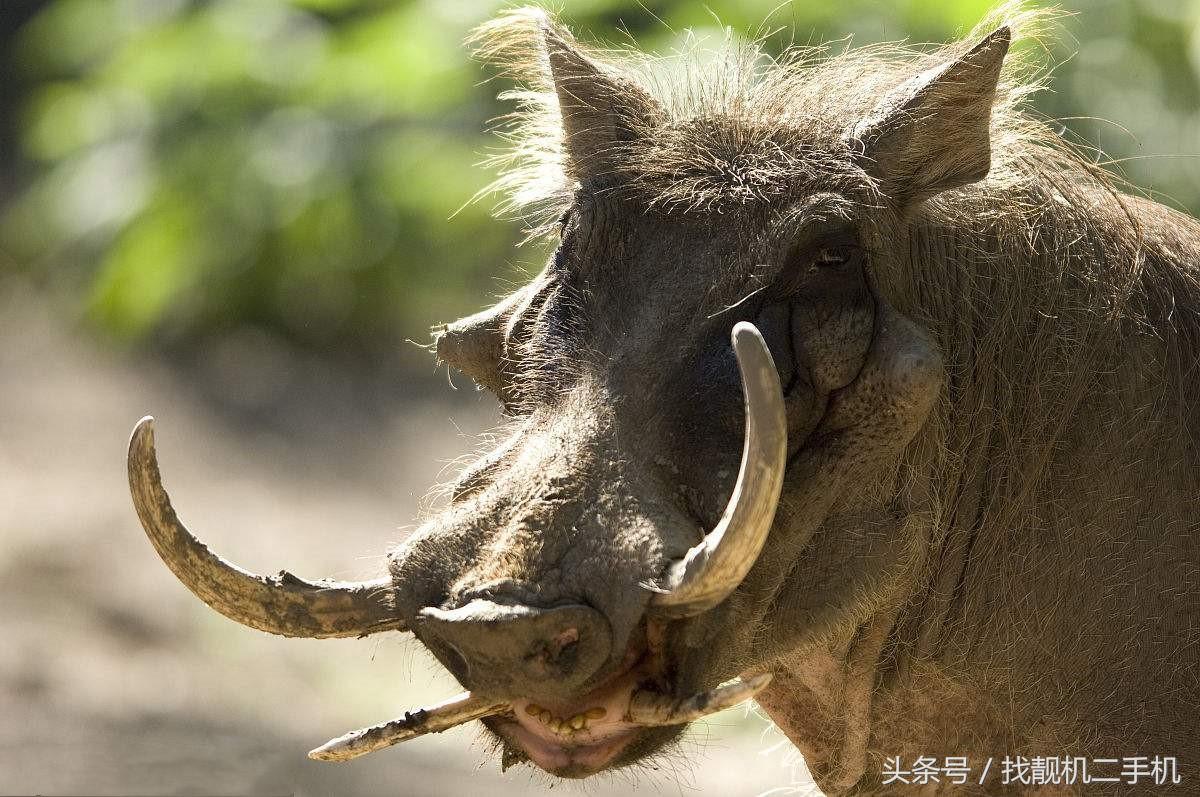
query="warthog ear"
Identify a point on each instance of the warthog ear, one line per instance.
(933, 132)
(601, 109)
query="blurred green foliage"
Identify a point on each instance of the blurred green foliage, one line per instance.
(297, 164)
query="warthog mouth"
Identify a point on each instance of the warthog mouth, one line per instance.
(572, 739)
(620, 713)
(579, 737)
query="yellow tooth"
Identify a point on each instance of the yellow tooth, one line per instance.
(556, 725)
(533, 709)
(544, 715)
(578, 721)
(596, 713)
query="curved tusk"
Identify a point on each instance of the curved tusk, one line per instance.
(434, 719)
(715, 567)
(282, 604)
(653, 709)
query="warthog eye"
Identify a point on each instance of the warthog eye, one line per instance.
(561, 225)
(834, 256)
(566, 239)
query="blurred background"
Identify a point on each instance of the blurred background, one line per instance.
(243, 216)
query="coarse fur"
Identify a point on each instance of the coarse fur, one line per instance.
(739, 126)
(1023, 577)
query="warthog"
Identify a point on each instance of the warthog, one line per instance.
(957, 515)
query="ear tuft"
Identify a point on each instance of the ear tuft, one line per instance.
(601, 109)
(513, 42)
(933, 133)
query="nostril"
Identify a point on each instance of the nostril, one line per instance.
(556, 656)
(566, 637)
(567, 657)
(564, 647)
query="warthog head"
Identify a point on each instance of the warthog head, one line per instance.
(710, 389)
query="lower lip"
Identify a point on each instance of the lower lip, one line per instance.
(576, 760)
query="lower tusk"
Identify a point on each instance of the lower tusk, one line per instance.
(434, 719)
(652, 708)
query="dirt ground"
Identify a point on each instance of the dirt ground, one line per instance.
(115, 680)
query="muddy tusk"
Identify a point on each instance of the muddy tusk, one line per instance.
(653, 709)
(433, 719)
(282, 604)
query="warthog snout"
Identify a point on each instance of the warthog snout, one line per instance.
(502, 649)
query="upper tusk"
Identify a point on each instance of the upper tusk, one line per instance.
(715, 567)
(434, 719)
(652, 708)
(282, 604)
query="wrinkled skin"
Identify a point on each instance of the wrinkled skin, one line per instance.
(986, 543)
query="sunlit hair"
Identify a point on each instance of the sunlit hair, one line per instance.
(738, 126)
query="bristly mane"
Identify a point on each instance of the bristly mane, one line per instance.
(740, 127)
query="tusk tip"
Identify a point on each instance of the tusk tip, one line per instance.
(744, 332)
(321, 754)
(759, 682)
(143, 434)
